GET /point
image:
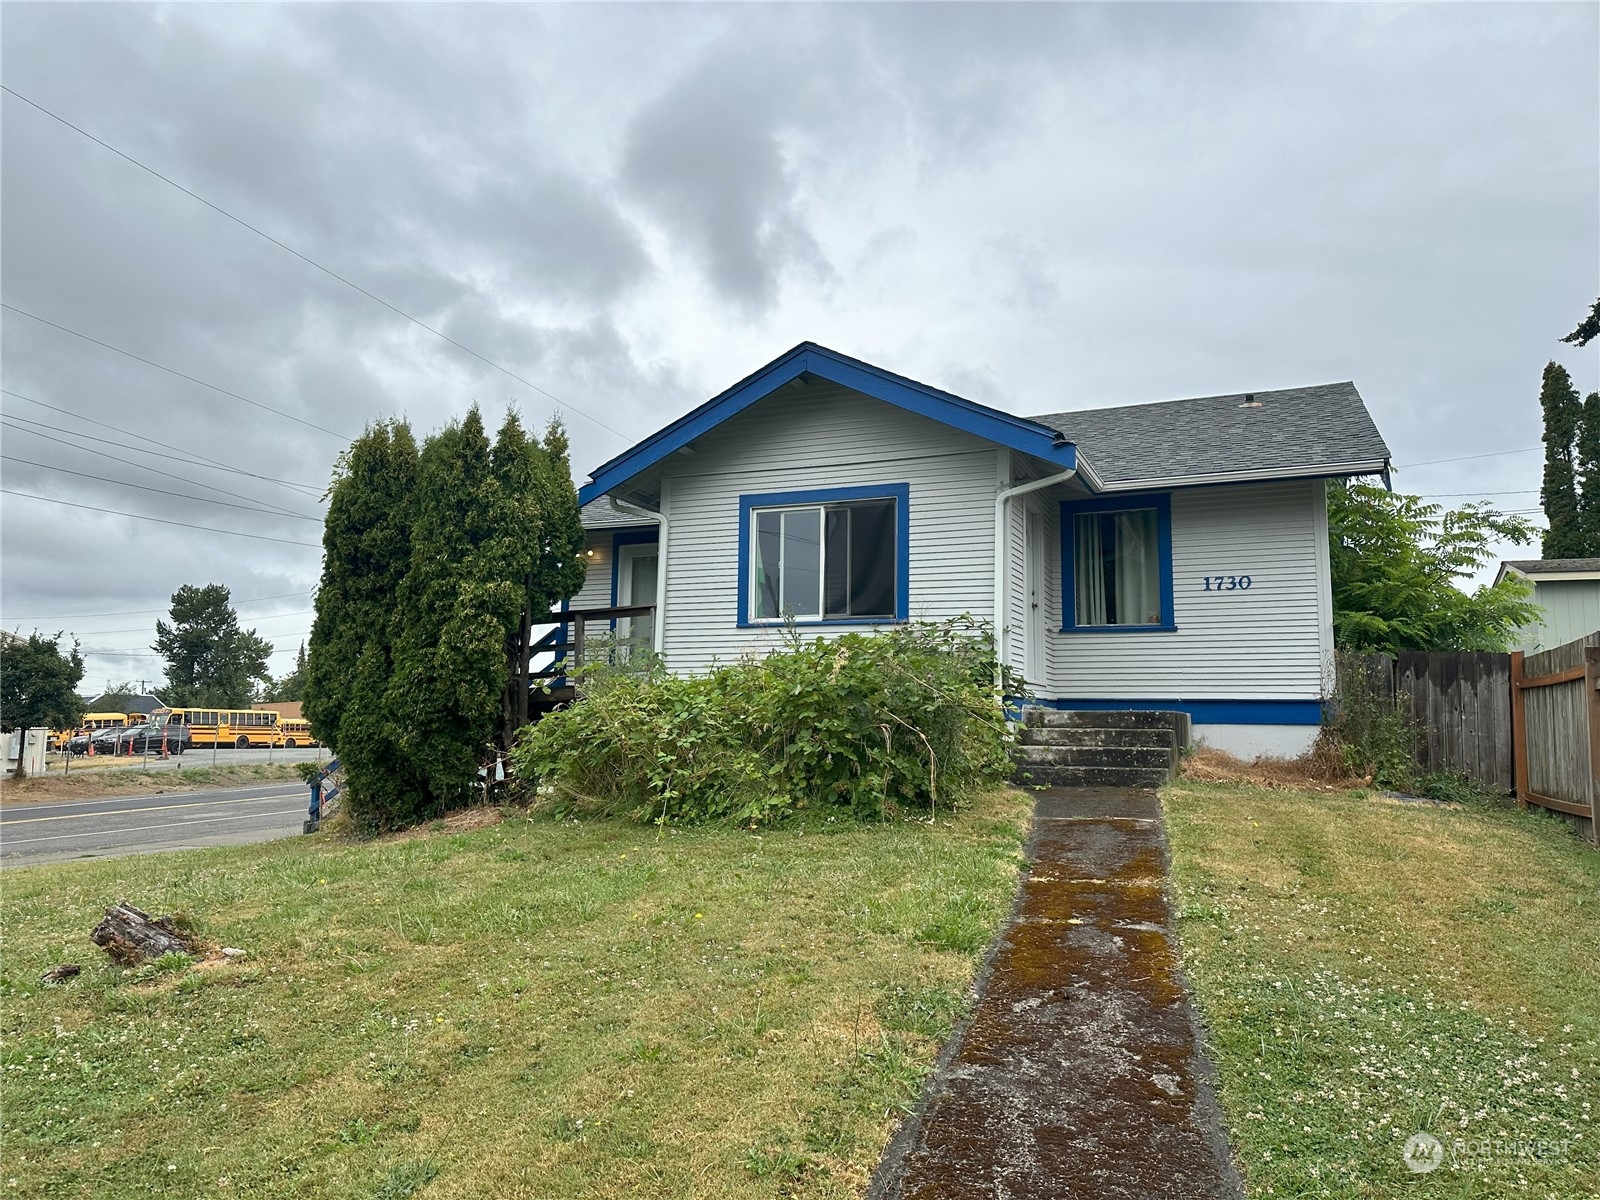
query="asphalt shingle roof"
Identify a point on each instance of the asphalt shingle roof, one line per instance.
(1296, 430)
(598, 514)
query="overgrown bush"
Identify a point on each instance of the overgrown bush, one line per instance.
(872, 723)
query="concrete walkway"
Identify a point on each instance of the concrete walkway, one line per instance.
(1079, 1074)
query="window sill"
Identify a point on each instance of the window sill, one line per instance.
(823, 621)
(1118, 629)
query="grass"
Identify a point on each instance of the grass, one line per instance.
(537, 1008)
(1369, 970)
(87, 783)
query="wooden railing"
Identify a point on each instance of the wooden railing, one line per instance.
(567, 651)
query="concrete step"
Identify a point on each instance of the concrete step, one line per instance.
(1124, 777)
(1052, 718)
(1063, 735)
(1156, 757)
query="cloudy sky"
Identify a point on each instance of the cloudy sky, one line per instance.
(629, 208)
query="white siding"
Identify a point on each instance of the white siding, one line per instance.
(596, 589)
(1267, 643)
(1016, 631)
(822, 436)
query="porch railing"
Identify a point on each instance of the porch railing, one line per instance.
(565, 641)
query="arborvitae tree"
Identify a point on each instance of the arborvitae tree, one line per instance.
(454, 607)
(210, 660)
(1559, 493)
(1588, 464)
(539, 534)
(367, 551)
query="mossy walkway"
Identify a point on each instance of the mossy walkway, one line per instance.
(1080, 1073)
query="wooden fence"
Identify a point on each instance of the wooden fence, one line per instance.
(1461, 705)
(1556, 715)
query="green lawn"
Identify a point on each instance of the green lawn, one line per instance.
(1369, 970)
(533, 1009)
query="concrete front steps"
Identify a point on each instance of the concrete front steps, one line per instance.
(1098, 749)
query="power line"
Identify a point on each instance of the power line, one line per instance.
(1462, 457)
(314, 263)
(141, 628)
(159, 491)
(150, 362)
(115, 512)
(199, 459)
(7, 419)
(1450, 495)
(139, 612)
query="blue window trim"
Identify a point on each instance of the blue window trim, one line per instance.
(627, 537)
(899, 492)
(1117, 502)
(808, 358)
(1202, 712)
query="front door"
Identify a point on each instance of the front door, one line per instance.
(1035, 567)
(636, 584)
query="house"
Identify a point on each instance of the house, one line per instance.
(1568, 589)
(126, 702)
(1159, 556)
(287, 710)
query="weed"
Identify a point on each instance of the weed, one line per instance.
(404, 1180)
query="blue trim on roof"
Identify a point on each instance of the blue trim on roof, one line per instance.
(900, 493)
(1202, 712)
(1116, 502)
(1018, 433)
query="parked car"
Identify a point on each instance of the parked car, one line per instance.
(151, 738)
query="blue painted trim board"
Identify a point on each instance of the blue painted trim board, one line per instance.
(627, 537)
(1201, 712)
(808, 358)
(1162, 503)
(899, 492)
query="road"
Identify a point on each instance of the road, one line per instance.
(107, 827)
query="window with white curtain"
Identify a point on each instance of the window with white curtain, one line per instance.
(1117, 567)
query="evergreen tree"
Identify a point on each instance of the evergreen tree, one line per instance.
(210, 660)
(1587, 457)
(1588, 329)
(38, 684)
(293, 685)
(1559, 493)
(366, 542)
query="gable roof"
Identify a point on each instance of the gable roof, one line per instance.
(808, 358)
(1307, 431)
(598, 514)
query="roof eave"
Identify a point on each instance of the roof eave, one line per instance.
(1263, 474)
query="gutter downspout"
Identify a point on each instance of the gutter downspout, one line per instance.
(660, 518)
(1000, 502)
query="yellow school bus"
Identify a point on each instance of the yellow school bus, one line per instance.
(237, 727)
(93, 723)
(296, 732)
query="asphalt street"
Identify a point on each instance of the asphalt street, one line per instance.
(111, 826)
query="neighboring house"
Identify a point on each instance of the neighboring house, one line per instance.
(1568, 589)
(287, 710)
(1160, 556)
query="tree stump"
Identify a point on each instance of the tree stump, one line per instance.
(130, 935)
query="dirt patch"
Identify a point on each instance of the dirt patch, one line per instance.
(1318, 770)
(94, 782)
(1080, 1073)
(479, 816)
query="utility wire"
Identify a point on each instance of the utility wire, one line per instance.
(141, 628)
(1459, 458)
(140, 612)
(200, 459)
(159, 491)
(314, 263)
(150, 362)
(8, 420)
(116, 512)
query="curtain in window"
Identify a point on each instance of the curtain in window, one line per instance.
(1089, 570)
(1116, 564)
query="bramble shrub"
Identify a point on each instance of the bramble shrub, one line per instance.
(873, 723)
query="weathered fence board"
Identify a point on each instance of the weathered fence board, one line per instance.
(1557, 693)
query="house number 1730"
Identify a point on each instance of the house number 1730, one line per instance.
(1227, 583)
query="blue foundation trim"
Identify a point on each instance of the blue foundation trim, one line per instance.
(1201, 712)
